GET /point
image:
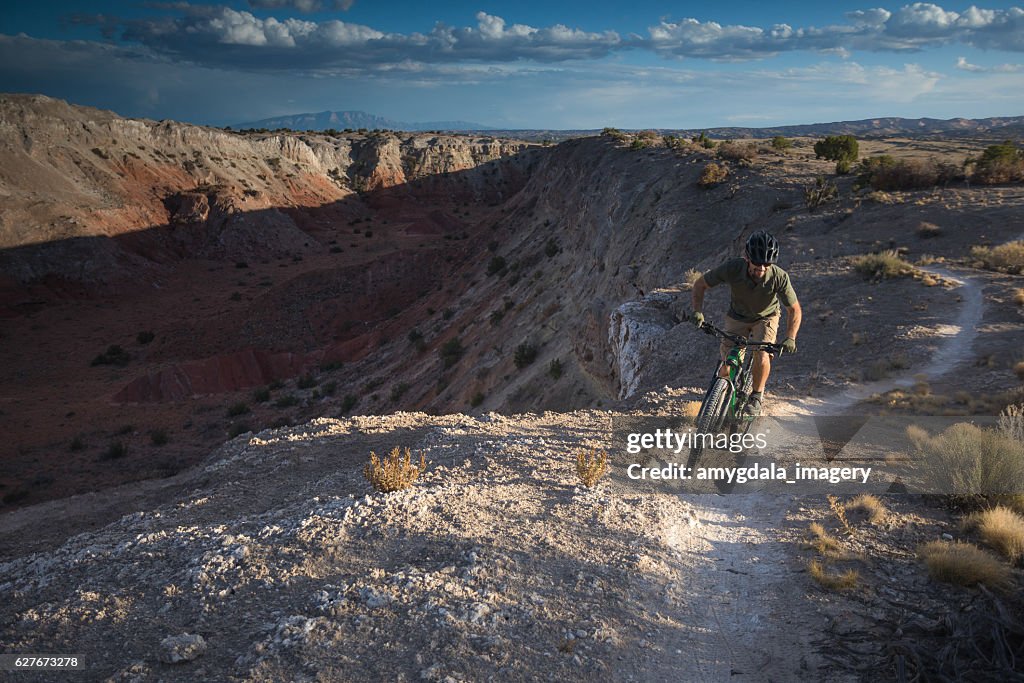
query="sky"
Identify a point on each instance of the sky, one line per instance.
(522, 64)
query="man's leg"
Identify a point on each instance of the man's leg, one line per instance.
(766, 330)
(732, 327)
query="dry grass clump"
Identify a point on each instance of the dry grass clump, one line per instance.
(394, 472)
(926, 230)
(591, 466)
(965, 460)
(870, 506)
(821, 192)
(737, 151)
(1006, 258)
(1002, 529)
(690, 410)
(887, 174)
(825, 543)
(886, 264)
(838, 582)
(1018, 369)
(1018, 297)
(964, 564)
(692, 275)
(712, 175)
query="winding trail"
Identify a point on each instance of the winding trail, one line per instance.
(748, 612)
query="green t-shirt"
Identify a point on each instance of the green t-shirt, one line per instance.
(752, 301)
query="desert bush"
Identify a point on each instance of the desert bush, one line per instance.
(77, 444)
(781, 143)
(525, 354)
(145, 337)
(349, 402)
(837, 147)
(114, 355)
(476, 399)
(496, 265)
(238, 428)
(837, 582)
(286, 401)
(825, 543)
(555, 368)
(843, 167)
(1006, 258)
(394, 472)
(1018, 369)
(820, 192)
(963, 564)
(889, 175)
(704, 141)
(307, 381)
(736, 151)
(869, 506)
(115, 451)
(237, 409)
(886, 264)
(261, 395)
(1001, 163)
(613, 133)
(966, 462)
(712, 175)
(591, 466)
(398, 390)
(1002, 529)
(551, 249)
(926, 230)
(1018, 296)
(451, 351)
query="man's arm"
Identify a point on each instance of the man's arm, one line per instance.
(699, 287)
(793, 318)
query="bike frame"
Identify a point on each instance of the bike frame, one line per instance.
(739, 369)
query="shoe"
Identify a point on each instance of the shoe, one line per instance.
(753, 407)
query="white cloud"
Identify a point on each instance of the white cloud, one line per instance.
(303, 5)
(964, 65)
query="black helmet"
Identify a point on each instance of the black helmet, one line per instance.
(762, 247)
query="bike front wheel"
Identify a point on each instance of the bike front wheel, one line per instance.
(711, 416)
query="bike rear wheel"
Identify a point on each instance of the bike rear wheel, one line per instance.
(711, 416)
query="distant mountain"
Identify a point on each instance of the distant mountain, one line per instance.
(888, 127)
(340, 120)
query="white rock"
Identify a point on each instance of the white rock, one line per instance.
(182, 648)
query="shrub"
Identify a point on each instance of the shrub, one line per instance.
(963, 564)
(524, 355)
(843, 167)
(144, 338)
(451, 351)
(394, 472)
(158, 437)
(889, 175)
(591, 466)
(870, 506)
(115, 451)
(496, 265)
(261, 395)
(114, 355)
(966, 461)
(476, 399)
(613, 133)
(555, 368)
(238, 428)
(825, 543)
(1002, 529)
(704, 141)
(836, 148)
(1018, 296)
(77, 444)
(736, 151)
(712, 175)
(836, 582)
(307, 381)
(881, 266)
(275, 384)
(332, 366)
(398, 390)
(1001, 163)
(349, 402)
(1006, 258)
(551, 248)
(237, 409)
(496, 317)
(820, 192)
(286, 401)
(416, 339)
(781, 143)
(926, 230)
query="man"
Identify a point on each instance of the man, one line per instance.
(758, 286)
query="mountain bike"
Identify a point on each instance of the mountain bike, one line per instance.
(726, 397)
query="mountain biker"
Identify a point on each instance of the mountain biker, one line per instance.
(758, 287)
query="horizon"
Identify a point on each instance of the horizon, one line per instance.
(523, 66)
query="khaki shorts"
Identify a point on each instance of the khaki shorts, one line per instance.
(763, 330)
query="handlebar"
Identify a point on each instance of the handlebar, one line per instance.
(739, 340)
